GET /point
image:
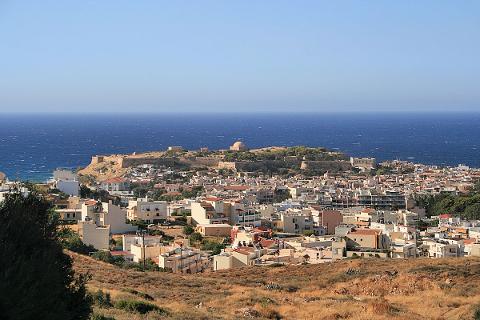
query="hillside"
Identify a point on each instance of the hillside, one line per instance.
(349, 289)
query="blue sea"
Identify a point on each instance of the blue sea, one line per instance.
(32, 146)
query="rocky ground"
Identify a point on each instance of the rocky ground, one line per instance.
(349, 289)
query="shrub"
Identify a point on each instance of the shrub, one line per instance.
(196, 237)
(70, 240)
(476, 313)
(101, 299)
(104, 256)
(97, 316)
(143, 295)
(138, 306)
(213, 246)
(188, 230)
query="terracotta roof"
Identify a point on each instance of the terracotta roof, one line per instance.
(212, 199)
(365, 232)
(236, 188)
(114, 180)
(173, 193)
(245, 250)
(266, 243)
(445, 216)
(120, 253)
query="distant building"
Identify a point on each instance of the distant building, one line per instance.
(238, 146)
(180, 260)
(296, 221)
(96, 236)
(148, 211)
(175, 148)
(208, 212)
(115, 184)
(363, 163)
(107, 214)
(66, 181)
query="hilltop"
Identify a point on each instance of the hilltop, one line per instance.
(268, 159)
(348, 289)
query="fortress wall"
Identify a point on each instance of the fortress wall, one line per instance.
(339, 165)
(132, 162)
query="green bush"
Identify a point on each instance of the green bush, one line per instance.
(138, 306)
(196, 237)
(70, 240)
(188, 230)
(213, 246)
(97, 316)
(104, 256)
(101, 299)
(143, 295)
(476, 314)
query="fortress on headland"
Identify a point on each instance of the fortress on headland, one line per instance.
(237, 158)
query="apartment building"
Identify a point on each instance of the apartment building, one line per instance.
(183, 260)
(148, 211)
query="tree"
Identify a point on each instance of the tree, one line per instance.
(188, 230)
(70, 240)
(36, 277)
(196, 237)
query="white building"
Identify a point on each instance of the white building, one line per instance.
(206, 213)
(148, 211)
(107, 214)
(96, 236)
(66, 181)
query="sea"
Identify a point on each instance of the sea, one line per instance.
(33, 145)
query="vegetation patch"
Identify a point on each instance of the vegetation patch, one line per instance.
(139, 307)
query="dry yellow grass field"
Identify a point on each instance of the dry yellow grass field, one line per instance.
(349, 289)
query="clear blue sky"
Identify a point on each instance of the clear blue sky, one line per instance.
(157, 56)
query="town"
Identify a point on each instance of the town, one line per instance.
(185, 211)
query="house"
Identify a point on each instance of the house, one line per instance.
(96, 236)
(107, 214)
(127, 256)
(367, 238)
(217, 230)
(115, 185)
(439, 249)
(147, 251)
(328, 219)
(403, 250)
(296, 221)
(408, 218)
(240, 257)
(148, 211)
(131, 239)
(207, 213)
(183, 260)
(69, 214)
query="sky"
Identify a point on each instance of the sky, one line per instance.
(239, 56)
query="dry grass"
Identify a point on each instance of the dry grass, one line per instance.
(372, 289)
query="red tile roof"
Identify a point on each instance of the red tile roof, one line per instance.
(114, 180)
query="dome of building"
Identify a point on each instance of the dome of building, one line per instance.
(2, 176)
(238, 146)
